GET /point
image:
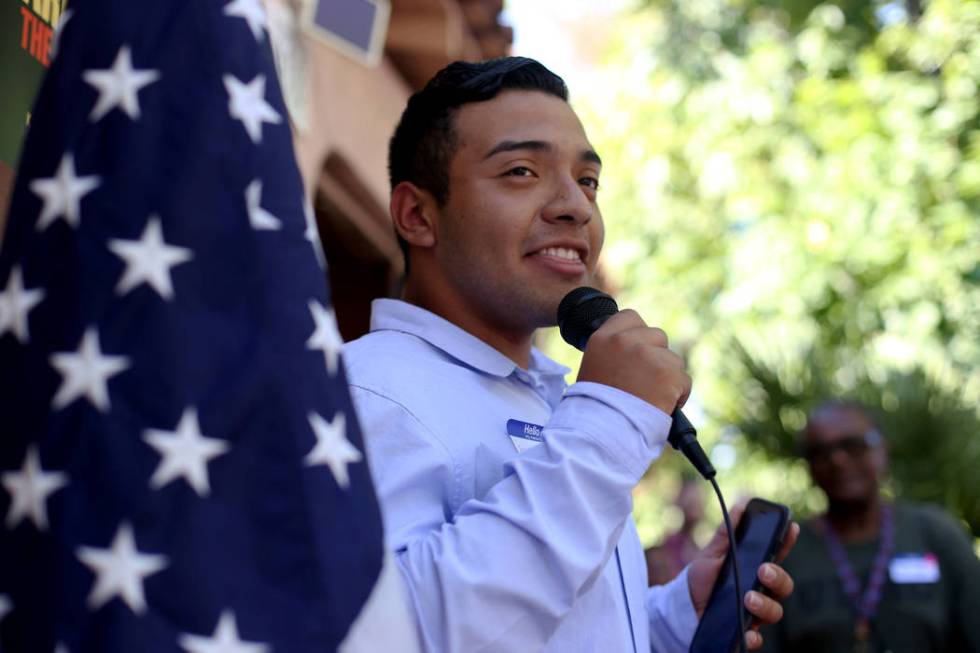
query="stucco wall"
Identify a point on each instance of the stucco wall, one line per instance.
(353, 109)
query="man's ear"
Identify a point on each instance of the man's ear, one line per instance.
(414, 212)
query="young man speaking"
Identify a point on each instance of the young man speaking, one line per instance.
(506, 494)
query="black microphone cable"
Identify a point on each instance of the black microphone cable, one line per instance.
(580, 313)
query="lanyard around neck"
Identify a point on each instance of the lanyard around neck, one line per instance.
(865, 604)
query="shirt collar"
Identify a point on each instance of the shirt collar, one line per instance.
(398, 315)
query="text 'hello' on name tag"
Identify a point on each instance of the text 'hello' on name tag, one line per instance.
(524, 435)
(912, 568)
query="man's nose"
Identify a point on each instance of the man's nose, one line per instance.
(838, 456)
(569, 203)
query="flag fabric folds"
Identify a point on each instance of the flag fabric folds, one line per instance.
(181, 467)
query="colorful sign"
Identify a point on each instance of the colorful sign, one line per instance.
(26, 31)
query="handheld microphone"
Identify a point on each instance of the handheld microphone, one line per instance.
(580, 313)
(584, 310)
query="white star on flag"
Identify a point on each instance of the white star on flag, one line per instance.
(325, 336)
(224, 640)
(120, 570)
(332, 447)
(312, 233)
(258, 217)
(184, 453)
(149, 260)
(252, 11)
(246, 102)
(29, 490)
(15, 303)
(86, 372)
(62, 193)
(118, 86)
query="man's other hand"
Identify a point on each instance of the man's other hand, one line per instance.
(765, 609)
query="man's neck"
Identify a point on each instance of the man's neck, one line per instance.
(855, 521)
(515, 345)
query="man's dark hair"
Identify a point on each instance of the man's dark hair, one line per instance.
(836, 404)
(424, 142)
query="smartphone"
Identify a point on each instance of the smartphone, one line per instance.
(758, 536)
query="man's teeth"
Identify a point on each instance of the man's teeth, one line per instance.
(561, 252)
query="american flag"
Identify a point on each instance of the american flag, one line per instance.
(181, 467)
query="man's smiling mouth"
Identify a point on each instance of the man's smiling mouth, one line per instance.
(561, 252)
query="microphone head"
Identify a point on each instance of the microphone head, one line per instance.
(581, 312)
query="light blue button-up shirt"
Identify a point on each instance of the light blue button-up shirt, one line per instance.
(501, 550)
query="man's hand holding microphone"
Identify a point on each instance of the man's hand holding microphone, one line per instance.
(622, 351)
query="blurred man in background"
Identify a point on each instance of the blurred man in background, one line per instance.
(872, 574)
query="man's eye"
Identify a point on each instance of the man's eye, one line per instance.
(591, 182)
(519, 171)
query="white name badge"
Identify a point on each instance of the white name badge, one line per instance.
(911, 568)
(524, 435)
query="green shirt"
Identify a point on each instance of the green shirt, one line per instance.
(912, 617)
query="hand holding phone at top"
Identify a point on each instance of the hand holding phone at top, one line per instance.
(763, 608)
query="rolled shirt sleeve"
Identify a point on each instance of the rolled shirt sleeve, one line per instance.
(673, 619)
(502, 572)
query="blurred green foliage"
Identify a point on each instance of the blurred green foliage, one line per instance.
(792, 190)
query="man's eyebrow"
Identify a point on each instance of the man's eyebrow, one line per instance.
(510, 146)
(591, 155)
(538, 146)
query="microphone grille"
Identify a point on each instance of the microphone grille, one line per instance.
(581, 312)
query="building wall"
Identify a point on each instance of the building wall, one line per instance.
(342, 153)
(354, 109)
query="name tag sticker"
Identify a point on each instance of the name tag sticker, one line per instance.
(524, 435)
(914, 568)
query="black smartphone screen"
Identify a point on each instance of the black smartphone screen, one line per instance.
(758, 536)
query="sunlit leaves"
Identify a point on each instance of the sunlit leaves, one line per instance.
(804, 179)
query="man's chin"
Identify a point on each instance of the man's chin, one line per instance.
(850, 500)
(539, 309)
(549, 306)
